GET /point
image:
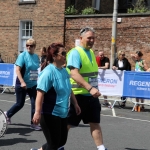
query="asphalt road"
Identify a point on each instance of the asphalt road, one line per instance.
(127, 131)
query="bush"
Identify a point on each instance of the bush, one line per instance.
(88, 10)
(139, 7)
(71, 10)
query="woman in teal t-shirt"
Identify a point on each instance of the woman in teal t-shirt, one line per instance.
(53, 98)
(27, 65)
(140, 65)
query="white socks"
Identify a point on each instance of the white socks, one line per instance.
(101, 147)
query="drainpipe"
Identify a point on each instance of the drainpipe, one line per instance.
(114, 32)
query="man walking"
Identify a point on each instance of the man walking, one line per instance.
(83, 70)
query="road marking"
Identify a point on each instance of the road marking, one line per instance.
(127, 118)
(101, 114)
(27, 99)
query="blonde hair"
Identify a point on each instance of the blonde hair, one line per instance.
(31, 41)
(120, 52)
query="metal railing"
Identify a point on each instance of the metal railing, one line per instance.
(9, 59)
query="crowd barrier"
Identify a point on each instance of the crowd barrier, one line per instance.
(110, 82)
(7, 76)
(128, 84)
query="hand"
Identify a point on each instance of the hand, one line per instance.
(36, 118)
(23, 85)
(148, 70)
(140, 64)
(132, 55)
(114, 68)
(94, 92)
(77, 108)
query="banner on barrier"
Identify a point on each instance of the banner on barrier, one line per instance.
(6, 74)
(110, 82)
(137, 84)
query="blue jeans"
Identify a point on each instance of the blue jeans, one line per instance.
(20, 100)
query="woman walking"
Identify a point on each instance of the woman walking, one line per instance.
(27, 65)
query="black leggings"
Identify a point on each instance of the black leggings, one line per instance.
(55, 131)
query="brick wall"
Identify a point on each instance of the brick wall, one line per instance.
(133, 33)
(48, 23)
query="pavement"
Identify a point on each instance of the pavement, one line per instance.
(126, 130)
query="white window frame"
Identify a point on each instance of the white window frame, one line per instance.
(96, 4)
(23, 39)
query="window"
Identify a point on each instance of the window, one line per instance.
(25, 32)
(27, 0)
(96, 4)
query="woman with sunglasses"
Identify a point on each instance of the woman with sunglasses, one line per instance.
(27, 65)
(140, 65)
(53, 99)
(121, 63)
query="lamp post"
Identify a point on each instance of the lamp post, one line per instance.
(114, 32)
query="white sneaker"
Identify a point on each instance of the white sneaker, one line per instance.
(8, 119)
(35, 127)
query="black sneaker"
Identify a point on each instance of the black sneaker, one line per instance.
(105, 104)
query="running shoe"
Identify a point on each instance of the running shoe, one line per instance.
(35, 127)
(8, 119)
(61, 148)
(106, 105)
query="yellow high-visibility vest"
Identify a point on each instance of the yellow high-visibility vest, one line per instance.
(88, 70)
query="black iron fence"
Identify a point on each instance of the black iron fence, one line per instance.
(9, 59)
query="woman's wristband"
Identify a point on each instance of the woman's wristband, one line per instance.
(90, 89)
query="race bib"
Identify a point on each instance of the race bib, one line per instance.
(93, 82)
(3, 123)
(33, 75)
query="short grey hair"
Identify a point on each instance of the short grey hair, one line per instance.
(86, 29)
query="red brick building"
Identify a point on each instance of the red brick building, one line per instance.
(42, 20)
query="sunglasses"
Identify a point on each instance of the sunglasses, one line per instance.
(63, 53)
(123, 54)
(85, 30)
(29, 45)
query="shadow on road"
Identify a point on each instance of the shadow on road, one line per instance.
(24, 129)
(7, 142)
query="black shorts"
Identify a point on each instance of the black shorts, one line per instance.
(90, 111)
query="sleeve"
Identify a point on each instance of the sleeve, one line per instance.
(107, 60)
(20, 60)
(44, 82)
(74, 59)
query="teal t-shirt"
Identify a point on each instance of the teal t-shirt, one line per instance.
(30, 64)
(56, 85)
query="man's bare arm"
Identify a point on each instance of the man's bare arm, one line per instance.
(104, 67)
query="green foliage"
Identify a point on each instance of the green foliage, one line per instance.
(71, 10)
(88, 10)
(139, 7)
